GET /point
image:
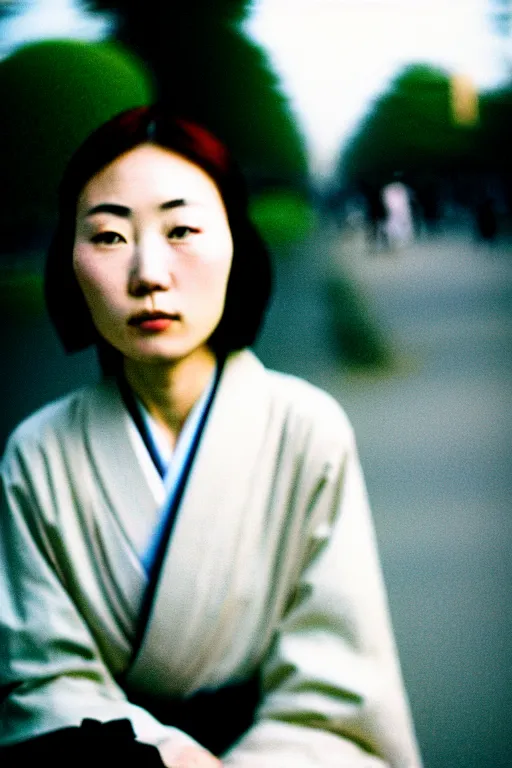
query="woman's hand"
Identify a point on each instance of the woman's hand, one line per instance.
(190, 756)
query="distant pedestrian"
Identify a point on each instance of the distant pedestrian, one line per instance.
(398, 224)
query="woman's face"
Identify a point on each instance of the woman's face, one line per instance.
(152, 254)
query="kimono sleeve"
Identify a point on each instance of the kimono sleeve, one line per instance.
(334, 696)
(52, 674)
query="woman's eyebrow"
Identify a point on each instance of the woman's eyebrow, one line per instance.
(114, 208)
(124, 212)
(173, 204)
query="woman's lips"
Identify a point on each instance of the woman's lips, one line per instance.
(153, 322)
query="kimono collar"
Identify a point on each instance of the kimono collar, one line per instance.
(152, 434)
(162, 452)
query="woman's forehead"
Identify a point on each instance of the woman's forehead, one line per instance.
(150, 174)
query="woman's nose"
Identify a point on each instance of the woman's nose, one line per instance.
(151, 269)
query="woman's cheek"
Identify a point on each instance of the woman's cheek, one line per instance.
(97, 283)
(84, 268)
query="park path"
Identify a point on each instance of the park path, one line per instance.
(434, 433)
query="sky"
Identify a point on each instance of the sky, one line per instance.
(333, 56)
(39, 19)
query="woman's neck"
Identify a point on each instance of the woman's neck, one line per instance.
(169, 392)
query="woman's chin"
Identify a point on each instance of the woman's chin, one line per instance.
(167, 354)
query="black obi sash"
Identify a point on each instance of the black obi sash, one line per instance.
(215, 718)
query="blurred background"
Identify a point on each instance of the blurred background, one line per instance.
(376, 138)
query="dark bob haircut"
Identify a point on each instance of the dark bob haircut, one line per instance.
(249, 284)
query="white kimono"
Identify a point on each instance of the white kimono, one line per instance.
(271, 565)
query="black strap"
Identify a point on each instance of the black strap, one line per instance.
(215, 718)
(97, 744)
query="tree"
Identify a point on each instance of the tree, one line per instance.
(52, 95)
(410, 128)
(206, 67)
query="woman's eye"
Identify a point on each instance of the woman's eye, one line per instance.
(181, 232)
(107, 238)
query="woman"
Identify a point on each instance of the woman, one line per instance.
(189, 553)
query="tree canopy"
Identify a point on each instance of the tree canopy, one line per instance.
(205, 66)
(413, 128)
(410, 127)
(52, 95)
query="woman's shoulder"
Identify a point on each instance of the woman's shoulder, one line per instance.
(287, 391)
(49, 421)
(307, 404)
